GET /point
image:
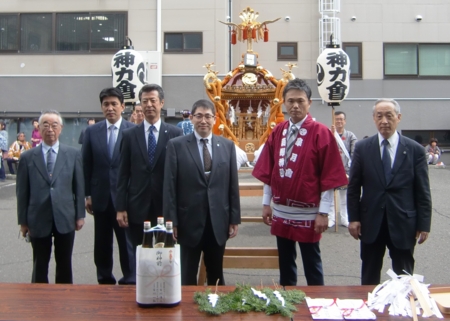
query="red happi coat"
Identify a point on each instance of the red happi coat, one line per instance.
(314, 166)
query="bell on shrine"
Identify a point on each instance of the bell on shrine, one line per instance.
(333, 74)
(129, 72)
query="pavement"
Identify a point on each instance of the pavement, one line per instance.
(340, 252)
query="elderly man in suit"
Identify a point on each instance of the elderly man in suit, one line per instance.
(141, 169)
(201, 195)
(101, 157)
(389, 200)
(50, 199)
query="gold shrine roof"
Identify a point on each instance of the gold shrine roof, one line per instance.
(248, 84)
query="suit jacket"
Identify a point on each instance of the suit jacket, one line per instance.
(100, 171)
(139, 187)
(42, 200)
(406, 199)
(189, 197)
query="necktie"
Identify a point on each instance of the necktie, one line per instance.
(291, 141)
(207, 162)
(50, 161)
(112, 140)
(151, 145)
(386, 160)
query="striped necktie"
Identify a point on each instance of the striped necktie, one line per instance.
(207, 161)
(291, 141)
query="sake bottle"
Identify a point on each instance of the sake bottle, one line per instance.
(147, 241)
(159, 231)
(170, 242)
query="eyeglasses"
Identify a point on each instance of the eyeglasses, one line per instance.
(201, 116)
(47, 126)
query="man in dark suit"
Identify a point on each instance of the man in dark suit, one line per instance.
(141, 169)
(101, 157)
(50, 199)
(389, 200)
(201, 195)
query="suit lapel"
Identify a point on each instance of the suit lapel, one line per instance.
(61, 159)
(217, 154)
(102, 137)
(40, 163)
(163, 138)
(140, 138)
(376, 158)
(194, 151)
(400, 155)
(118, 140)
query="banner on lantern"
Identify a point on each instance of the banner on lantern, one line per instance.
(158, 276)
(333, 75)
(129, 74)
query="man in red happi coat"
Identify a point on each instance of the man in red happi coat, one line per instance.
(300, 166)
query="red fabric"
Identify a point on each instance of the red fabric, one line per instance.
(299, 231)
(318, 166)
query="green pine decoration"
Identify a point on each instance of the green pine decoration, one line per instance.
(243, 300)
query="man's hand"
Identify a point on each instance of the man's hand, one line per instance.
(175, 233)
(267, 215)
(232, 230)
(333, 129)
(79, 224)
(122, 219)
(421, 236)
(321, 223)
(88, 205)
(24, 229)
(354, 229)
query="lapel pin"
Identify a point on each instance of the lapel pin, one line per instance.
(165, 131)
(404, 152)
(218, 145)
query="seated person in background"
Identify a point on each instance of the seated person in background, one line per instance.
(433, 152)
(16, 149)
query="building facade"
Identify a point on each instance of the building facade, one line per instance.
(57, 55)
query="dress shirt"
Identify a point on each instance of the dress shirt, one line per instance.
(392, 148)
(108, 132)
(155, 132)
(200, 145)
(45, 149)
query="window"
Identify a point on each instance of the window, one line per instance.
(62, 32)
(423, 136)
(354, 52)
(183, 42)
(287, 51)
(8, 32)
(417, 60)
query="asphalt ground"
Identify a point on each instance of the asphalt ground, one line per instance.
(340, 252)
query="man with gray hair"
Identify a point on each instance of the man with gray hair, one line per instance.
(50, 199)
(388, 197)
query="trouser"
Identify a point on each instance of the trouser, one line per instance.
(342, 199)
(312, 262)
(212, 255)
(106, 225)
(372, 257)
(42, 249)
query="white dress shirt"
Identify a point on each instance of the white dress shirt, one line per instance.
(392, 148)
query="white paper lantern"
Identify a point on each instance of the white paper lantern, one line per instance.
(129, 74)
(333, 75)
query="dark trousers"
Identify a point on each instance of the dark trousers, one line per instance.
(10, 162)
(42, 249)
(312, 262)
(212, 255)
(372, 257)
(105, 227)
(2, 169)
